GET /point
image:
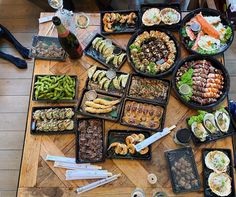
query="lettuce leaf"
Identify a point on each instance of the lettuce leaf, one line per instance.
(151, 68)
(198, 118)
(228, 34)
(202, 51)
(134, 47)
(183, 32)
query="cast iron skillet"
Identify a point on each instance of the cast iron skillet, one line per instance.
(206, 12)
(163, 74)
(216, 64)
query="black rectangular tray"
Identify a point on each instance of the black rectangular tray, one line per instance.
(160, 101)
(119, 136)
(176, 6)
(139, 126)
(47, 39)
(77, 142)
(57, 101)
(177, 154)
(207, 171)
(213, 137)
(101, 116)
(34, 132)
(89, 51)
(122, 93)
(124, 28)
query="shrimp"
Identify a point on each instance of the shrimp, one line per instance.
(211, 95)
(129, 140)
(216, 81)
(141, 137)
(132, 149)
(215, 76)
(214, 85)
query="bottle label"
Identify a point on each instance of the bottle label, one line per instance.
(64, 34)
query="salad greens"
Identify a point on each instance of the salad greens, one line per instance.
(152, 68)
(134, 47)
(228, 34)
(186, 78)
(198, 118)
(202, 51)
(183, 32)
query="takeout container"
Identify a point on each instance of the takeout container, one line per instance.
(159, 75)
(35, 132)
(110, 92)
(119, 136)
(207, 12)
(162, 120)
(172, 156)
(91, 52)
(77, 143)
(48, 40)
(102, 116)
(123, 28)
(146, 6)
(213, 137)
(207, 171)
(56, 101)
(160, 101)
(216, 64)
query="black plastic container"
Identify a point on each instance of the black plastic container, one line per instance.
(158, 100)
(56, 101)
(123, 28)
(91, 52)
(101, 116)
(33, 130)
(162, 121)
(162, 74)
(119, 136)
(216, 64)
(77, 152)
(213, 137)
(207, 171)
(146, 6)
(110, 92)
(47, 40)
(206, 12)
(172, 156)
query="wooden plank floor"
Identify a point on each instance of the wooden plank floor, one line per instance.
(21, 17)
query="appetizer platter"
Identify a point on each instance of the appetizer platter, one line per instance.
(107, 81)
(207, 127)
(143, 114)
(183, 170)
(166, 16)
(206, 31)
(100, 105)
(120, 144)
(218, 172)
(53, 120)
(201, 82)
(150, 89)
(55, 88)
(153, 53)
(106, 52)
(47, 48)
(90, 140)
(118, 22)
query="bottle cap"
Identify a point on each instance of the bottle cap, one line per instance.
(138, 193)
(56, 20)
(152, 179)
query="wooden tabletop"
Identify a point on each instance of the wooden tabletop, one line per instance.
(39, 178)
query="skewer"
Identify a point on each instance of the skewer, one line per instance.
(61, 159)
(50, 28)
(97, 184)
(73, 166)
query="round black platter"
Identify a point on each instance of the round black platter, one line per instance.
(206, 12)
(158, 75)
(216, 64)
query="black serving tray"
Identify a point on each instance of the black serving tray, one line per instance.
(57, 101)
(207, 171)
(157, 100)
(101, 116)
(123, 28)
(161, 127)
(159, 75)
(47, 40)
(89, 51)
(176, 6)
(216, 64)
(208, 12)
(78, 160)
(110, 91)
(213, 137)
(35, 132)
(172, 156)
(119, 136)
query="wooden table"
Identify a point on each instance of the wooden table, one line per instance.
(39, 178)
